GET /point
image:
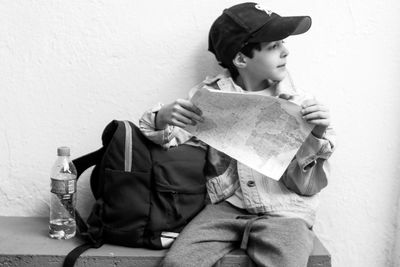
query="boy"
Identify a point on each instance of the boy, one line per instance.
(270, 219)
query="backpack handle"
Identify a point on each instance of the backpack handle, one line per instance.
(88, 160)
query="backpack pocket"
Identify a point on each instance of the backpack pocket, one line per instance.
(126, 199)
(184, 176)
(179, 194)
(172, 209)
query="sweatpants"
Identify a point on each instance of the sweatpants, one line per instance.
(221, 228)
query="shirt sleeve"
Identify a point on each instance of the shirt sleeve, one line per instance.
(308, 172)
(171, 135)
(147, 126)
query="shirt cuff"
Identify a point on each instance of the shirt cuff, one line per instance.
(148, 127)
(312, 149)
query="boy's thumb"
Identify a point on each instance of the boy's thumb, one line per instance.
(286, 96)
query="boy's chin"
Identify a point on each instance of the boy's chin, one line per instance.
(280, 77)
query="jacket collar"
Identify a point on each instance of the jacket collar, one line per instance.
(226, 83)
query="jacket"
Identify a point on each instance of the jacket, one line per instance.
(295, 195)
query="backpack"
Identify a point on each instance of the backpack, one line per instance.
(144, 193)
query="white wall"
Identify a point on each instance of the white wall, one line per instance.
(396, 251)
(69, 67)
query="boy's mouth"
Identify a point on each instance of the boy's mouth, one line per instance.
(281, 66)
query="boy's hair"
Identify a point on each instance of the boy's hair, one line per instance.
(249, 23)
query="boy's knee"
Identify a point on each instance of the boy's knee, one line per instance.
(299, 229)
(283, 229)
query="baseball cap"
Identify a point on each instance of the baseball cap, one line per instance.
(247, 23)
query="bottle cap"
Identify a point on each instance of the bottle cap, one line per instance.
(63, 151)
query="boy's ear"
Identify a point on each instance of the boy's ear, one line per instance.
(239, 60)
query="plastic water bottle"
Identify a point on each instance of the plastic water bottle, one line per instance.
(63, 196)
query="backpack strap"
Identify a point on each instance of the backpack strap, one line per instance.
(71, 258)
(82, 164)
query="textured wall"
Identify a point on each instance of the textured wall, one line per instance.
(69, 67)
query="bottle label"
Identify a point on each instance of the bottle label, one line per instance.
(61, 187)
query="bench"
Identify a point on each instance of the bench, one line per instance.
(24, 242)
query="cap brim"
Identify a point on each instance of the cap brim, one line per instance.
(281, 27)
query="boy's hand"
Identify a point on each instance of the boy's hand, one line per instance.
(316, 113)
(179, 113)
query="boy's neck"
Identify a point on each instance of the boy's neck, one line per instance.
(251, 85)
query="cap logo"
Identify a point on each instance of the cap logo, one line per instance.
(262, 8)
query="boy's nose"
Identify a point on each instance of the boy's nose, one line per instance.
(284, 52)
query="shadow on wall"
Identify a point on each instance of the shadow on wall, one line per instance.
(85, 198)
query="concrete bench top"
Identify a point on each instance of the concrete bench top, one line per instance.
(24, 242)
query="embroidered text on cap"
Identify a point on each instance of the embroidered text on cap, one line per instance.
(262, 8)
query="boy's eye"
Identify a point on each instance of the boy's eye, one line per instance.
(275, 45)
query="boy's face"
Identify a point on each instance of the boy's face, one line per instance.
(269, 62)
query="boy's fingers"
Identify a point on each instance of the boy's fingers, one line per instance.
(323, 122)
(316, 115)
(191, 115)
(186, 116)
(191, 111)
(313, 108)
(176, 122)
(309, 102)
(286, 96)
(187, 104)
(182, 121)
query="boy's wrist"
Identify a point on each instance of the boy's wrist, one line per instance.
(319, 131)
(156, 120)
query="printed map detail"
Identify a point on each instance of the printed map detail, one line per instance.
(262, 132)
